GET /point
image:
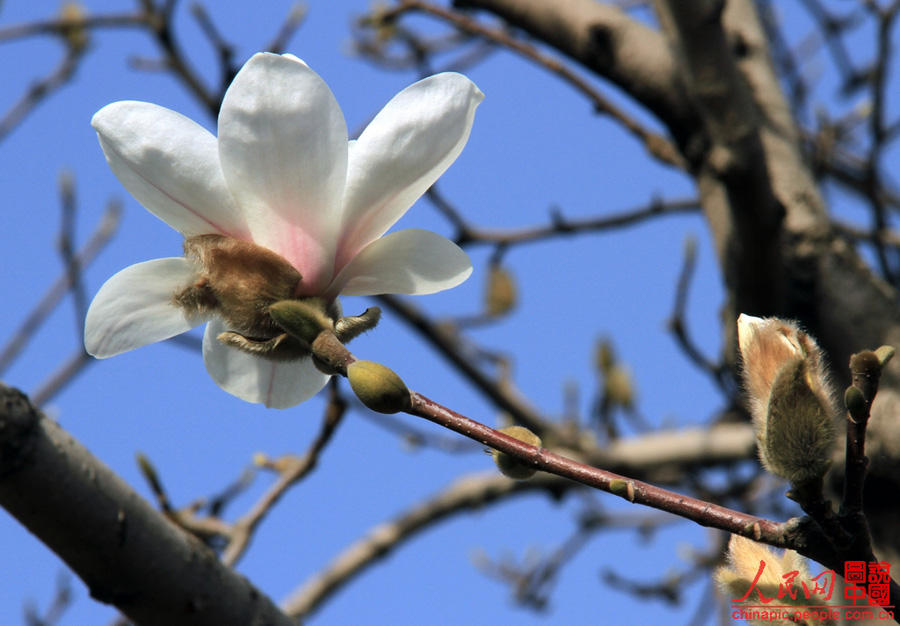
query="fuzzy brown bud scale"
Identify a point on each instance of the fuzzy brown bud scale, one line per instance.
(253, 291)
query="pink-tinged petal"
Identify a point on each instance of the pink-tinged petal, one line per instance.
(135, 308)
(170, 165)
(283, 148)
(414, 262)
(408, 145)
(250, 378)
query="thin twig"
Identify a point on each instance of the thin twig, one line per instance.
(62, 600)
(292, 470)
(561, 226)
(62, 26)
(656, 144)
(416, 438)
(635, 491)
(40, 91)
(678, 319)
(67, 250)
(520, 411)
(224, 50)
(292, 22)
(469, 493)
(62, 376)
(97, 241)
(159, 19)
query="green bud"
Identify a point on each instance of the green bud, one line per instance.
(619, 387)
(501, 292)
(378, 387)
(623, 489)
(303, 319)
(884, 354)
(799, 435)
(510, 466)
(856, 404)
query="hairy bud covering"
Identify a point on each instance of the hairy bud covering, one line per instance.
(791, 400)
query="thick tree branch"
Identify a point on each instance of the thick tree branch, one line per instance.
(732, 176)
(126, 553)
(656, 144)
(604, 39)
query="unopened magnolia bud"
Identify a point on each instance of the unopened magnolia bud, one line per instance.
(799, 429)
(510, 466)
(71, 19)
(791, 400)
(378, 387)
(745, 581)
(501, 291)
(856, 405)
(619, 387)
(303, 319)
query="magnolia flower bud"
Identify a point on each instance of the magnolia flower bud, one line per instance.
(378, 387)
(71, 20)
(303, 319)
(500, 297)
(510, 466)
(790, 398)
(743, 583)
(856, 405)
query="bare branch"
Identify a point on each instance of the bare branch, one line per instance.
(604, 39)
(562, 226)
(291, 469)
(469, 493)
(64, 374)
(125, 552)
(39, 91)
(656, 144)
(97, 241)
(678, 320)
(292, 22)
(67, 249)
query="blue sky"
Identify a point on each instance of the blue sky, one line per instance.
(535, 145)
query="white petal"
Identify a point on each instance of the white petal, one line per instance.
(135, 308)
(250, 378)
(170, 165)
(414, 262)
(283, 148)
(408, 145)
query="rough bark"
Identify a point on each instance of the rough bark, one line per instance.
(604, 39)
(127, 554)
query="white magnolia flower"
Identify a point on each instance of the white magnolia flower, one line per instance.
(280, 177)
